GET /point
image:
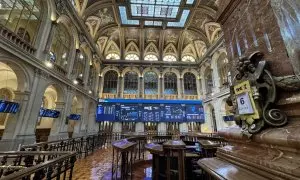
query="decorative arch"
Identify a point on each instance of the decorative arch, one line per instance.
(20, 70)
(151, 49)
(170, 50)
(60, 90)
(201, 48)
(102, 41)
(194, 71)
(189, 50)
(51, 10)
(132, 48)
(148, 69)
(128, 69)
(93, 23)
(112, 47)
(108, 68)
(171, 70)
(212, 29)
(66, 21)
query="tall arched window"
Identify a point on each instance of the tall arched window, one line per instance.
(170, 83)
(209, 81)
(151, 57)
(110, 82)
(79, 64)
(132, 57)
(190, 85)
(150, 83)
(131, 82)
(21, 17)
(60, 47)
(113, 56)
(223, 70)
(170, 58)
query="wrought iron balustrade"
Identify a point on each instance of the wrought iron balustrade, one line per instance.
(36, 165)
(81, 145)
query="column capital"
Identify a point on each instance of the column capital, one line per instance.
(21, 95)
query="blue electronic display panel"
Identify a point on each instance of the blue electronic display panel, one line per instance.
(8, 107)
(75, 117)
(194, 113)
(49, 113)
(106, 112)
(151, 113)
(174, 113)
(129, 112)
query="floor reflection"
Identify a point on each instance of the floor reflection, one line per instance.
(98, 167)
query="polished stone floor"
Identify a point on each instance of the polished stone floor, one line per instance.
(98, 167)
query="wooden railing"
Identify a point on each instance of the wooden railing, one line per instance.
(108, 96)
(36, 165)
(14, 38)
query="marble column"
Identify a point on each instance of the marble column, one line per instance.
(141, 87)
(54, 133)
(120, 87)
(7, 142)
(199, 88)
(161, 87)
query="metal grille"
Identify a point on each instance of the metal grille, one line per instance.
(150, 83)
(110, 82)
(131, 83)
(170, 83)
(190, 86)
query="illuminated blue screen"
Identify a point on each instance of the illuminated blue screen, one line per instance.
(8, 107)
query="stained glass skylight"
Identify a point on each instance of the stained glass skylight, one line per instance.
(190, 2)
(153, 23)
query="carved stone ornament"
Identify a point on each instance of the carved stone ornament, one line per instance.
(253, 96)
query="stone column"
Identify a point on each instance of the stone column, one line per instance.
(182, 87)
(179, 88)
(63, 131)
(161, 87)
(141, 87)
(100, 87)
(92, 125)
(7, 142)
(54, 133)
(120, 87)
(86, 73)
(77, 127)
(199, 87)
(96, 86)
(44, 36)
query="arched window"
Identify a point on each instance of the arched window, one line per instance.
(151, 57)
(188, 59)
(132, 57)
(79, 64)
(223, 70)
(60, 47)
(113, 56)
(190, 85)
(170, 83)
(110, 84)
(209, 81)
(170, 58)
(21, 17)
(150, 83)
(131, 83)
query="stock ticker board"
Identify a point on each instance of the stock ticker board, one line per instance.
(142, 110)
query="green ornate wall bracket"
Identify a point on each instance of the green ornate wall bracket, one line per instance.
(253, 96)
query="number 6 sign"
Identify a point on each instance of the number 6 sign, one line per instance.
(244, 104)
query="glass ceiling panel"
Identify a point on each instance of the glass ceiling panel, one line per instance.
(190, 1)
(124, 18)
(153, 23)
(182, 21)
(155, 8)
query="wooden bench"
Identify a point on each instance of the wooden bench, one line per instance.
(215, 168)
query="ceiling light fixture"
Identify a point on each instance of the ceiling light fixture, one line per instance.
(90, 92)
(75, 82)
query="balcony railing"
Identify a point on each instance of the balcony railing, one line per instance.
(190, 97)
(151, 96)
(108, 96)
(171, 97)
(14, 38)
(130, 96)
(59, 69)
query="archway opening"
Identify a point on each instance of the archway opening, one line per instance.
(76, 108)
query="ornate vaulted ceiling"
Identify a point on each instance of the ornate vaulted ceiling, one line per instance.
(140, 34)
